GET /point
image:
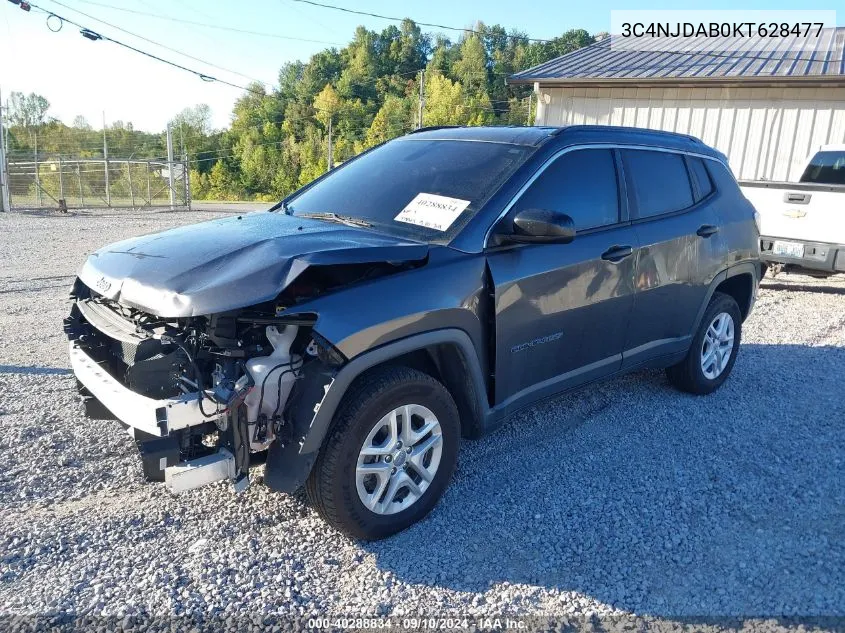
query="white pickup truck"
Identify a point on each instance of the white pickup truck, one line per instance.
(803, 224)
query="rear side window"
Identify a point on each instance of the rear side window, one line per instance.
(702, 178)
(659, 181)
(826, 168)
(582, 184)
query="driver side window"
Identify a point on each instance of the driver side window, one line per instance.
(581, 183)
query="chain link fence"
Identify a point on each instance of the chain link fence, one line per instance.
(86, 183)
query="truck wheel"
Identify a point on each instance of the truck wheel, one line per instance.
(389, 455)
(713, 351)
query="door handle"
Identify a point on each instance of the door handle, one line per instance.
(797, 198)
(617, 253)
(706, 230)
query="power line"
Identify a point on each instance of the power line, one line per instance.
(95, 36)
(430, 24)
(208, 25)
(164, 46)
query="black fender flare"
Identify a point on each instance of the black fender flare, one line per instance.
(752, 268)
(288, 467)
(325, 410)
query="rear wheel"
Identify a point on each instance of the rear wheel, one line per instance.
(389, 456)
(712, 355)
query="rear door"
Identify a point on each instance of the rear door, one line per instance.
(681, 249)
(562, 310)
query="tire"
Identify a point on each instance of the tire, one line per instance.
(336, 486)
(690, 374)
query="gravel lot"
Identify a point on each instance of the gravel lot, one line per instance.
(624, 498)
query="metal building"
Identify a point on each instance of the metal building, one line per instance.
(766, 104)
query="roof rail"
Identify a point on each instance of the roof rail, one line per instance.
(433, 127)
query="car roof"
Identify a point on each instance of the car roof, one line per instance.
(566, 135)
(617, 135)
(513, 134)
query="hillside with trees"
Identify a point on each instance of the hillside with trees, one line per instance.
(364, 93)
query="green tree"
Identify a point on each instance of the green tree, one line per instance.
(327, 104)
(192, 127)
(27, 110)
(393, 119)
(470, 69)
(223, 182)
(541, 52)
(323, 67)
(81, 123)
(368, 89)
(444, 101)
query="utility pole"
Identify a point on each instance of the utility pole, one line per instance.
(61, 186)
(421, 103)
(528, 118)
(4, 172)
(170, 166)
(37, 175)
(106, 159)
(331, 156)
(186, 172)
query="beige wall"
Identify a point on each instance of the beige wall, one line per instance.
(766, 133)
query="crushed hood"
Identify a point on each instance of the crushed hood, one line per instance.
(231, 263)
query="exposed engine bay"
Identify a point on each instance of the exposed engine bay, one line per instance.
(240, 368)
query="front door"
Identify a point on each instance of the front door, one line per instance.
(562, 310)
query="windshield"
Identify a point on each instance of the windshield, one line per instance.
(424, 190)
(826, 168)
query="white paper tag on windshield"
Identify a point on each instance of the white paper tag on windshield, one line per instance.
(432, 211)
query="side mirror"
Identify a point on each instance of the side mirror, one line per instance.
(532, 226)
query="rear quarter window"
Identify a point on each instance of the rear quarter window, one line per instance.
(659, 181)
(701, 177)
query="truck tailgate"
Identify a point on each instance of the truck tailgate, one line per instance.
(810, 213)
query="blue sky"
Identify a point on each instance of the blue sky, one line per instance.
(80, 77)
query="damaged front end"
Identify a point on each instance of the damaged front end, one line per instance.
(199, 340)
(205, 397)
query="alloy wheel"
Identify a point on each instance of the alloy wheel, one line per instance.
(717, 346)
(399, 459)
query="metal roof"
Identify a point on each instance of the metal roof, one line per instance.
(714, 61)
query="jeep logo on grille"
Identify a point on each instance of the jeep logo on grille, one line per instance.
(103, 284)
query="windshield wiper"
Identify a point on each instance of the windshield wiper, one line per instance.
(280, 205)
(335, 217)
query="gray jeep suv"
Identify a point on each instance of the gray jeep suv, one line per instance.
(421, 292)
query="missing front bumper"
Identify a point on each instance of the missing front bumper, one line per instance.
(155, 417)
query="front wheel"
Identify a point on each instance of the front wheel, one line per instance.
(389, 456)
(712, 354)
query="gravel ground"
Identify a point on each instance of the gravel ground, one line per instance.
(627, 497)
